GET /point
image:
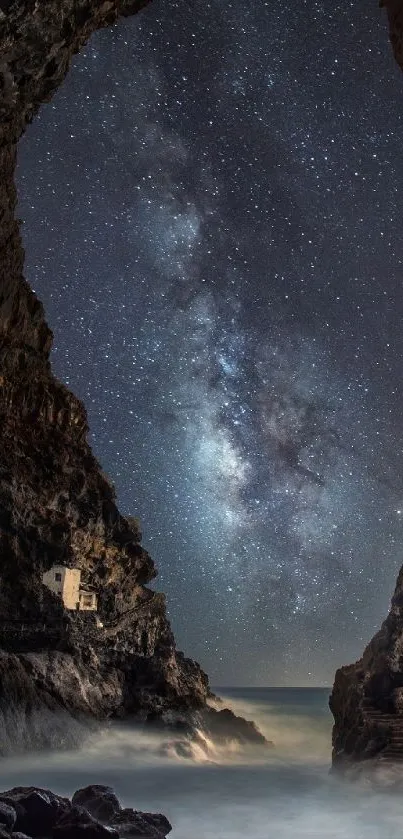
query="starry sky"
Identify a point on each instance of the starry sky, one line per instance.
(212, 210)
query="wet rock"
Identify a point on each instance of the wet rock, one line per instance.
(37, 810)
(100, 801)
(131, 824)
(225, 726)
(77, 823)
(40, 814)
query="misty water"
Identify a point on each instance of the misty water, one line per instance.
(228, 794)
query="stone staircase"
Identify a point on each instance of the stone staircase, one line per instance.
(393, 724)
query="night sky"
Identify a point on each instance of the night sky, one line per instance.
(213, 220)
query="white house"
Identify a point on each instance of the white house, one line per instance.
(66, 582)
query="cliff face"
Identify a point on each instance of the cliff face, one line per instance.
(367, 697)
(56, 505)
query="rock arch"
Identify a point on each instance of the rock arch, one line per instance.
(55, 502)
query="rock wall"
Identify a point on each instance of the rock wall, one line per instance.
(56, 505)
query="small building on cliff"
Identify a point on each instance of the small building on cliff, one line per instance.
(66, 583)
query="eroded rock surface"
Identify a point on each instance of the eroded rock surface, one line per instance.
(366, 701)
(40, 814)
(59, 669)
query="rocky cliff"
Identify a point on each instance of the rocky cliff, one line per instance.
(58, 667)
(367, 697)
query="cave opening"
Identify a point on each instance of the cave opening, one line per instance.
(212, 240)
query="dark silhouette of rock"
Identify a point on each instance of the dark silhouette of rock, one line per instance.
(40, 814)
(8, 816)
(100, 801)
(130, 823)
(37, 810)
(77, 823)
(60, 670)
(221, 726)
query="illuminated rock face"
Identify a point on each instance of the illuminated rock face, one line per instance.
(57, 508)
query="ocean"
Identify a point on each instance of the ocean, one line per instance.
(227, 794)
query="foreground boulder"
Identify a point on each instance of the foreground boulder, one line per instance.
(37, 810)
(130, 823)
(101, 802)
(77, 823)
(225, 726)
(36, 813)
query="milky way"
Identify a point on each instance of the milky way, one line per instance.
(212, 209)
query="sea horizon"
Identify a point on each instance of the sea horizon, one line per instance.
(272, 687)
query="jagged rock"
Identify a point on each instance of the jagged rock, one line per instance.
(77, 823)
(131, 824)
(100, 801)
(220, 726)
(37, 810)
(224, 726)
(40, 814)
(8, 816)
